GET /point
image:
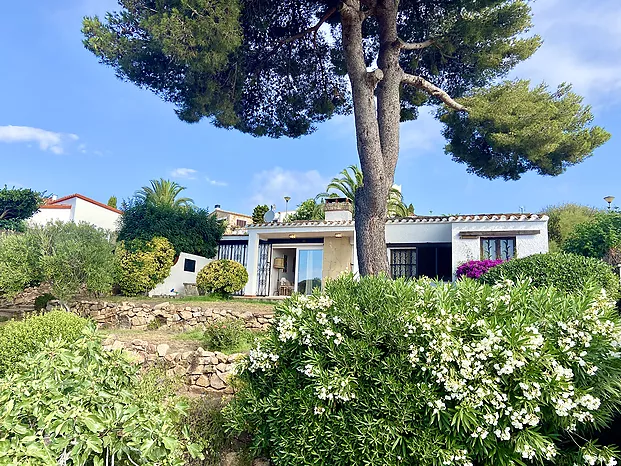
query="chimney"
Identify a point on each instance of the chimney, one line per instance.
(217, 206)
(338, 209)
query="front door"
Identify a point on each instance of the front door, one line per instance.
(309, 270)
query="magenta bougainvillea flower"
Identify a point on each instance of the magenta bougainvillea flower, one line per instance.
(474, 269)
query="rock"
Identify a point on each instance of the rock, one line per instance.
(162, 350)
(186, 315)
(216, 382)
(221, 367)
(161, 306)
(202, 381)
(214, 360)
(118, 345)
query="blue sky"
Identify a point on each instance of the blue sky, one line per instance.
(86, 131)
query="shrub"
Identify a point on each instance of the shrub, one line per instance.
(75, 403)
(595, 237)
(225, 335)
(563, 219)
(71, 257)
(189, 230)
(76, 257)
(474, 269)
(222, 276)
(20, 263)
(19, 338)
(411, 372)
(206, 426)
(142, 265)
(567, 272)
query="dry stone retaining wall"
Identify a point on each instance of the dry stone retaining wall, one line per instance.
(138, 316)
(202, 371)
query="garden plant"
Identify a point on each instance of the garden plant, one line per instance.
(223, 277)
(402, 372)
(78, 404)
(566, 272)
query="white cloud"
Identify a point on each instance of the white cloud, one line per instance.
(47, 140)
(579, 40)
(183, 173)
(215, 182)
(421, 136)
(271, 186)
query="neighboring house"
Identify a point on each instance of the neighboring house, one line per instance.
(286, 257)
(77, 208)
(183, 272)
(233, 220)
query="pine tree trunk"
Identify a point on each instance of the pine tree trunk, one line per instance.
(377, 128)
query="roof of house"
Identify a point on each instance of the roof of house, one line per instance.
(58, 203)
(230, 212)
(513, 217)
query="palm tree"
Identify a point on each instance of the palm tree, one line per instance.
(163, 193)
(351, 180)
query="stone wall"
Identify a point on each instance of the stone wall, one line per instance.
(202, 371)
(138, 316)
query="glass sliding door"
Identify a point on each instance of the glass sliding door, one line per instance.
(309, 270)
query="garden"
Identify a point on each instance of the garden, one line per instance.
(515, 363)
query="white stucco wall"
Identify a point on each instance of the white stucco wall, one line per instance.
(467, 249)
(178, 276)
(80, 211)
(96, 215)
(45, 216)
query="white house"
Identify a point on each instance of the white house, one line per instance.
(285, 257)
(77, 208)
(183, 271)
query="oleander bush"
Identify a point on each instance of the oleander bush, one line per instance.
(222, 276)
(20, 338)
(78, 404)
(474, 269)
(567, 272)
(402, 372)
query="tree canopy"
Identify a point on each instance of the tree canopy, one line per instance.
(17, 205)
(190, 230)
(563, 219)
(279, 67)
(596, 237)
(258, 213)
(164, 193)
(310, 209)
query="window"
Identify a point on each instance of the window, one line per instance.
(403, 263)
(189, 265)
(497, 248)
(241, 223)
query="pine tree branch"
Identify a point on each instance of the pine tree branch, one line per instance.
(312, 29)
(431, 89)
(415, 45)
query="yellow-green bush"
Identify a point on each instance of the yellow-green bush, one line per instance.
(222, 276)
(143, 264)
(19, 338)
